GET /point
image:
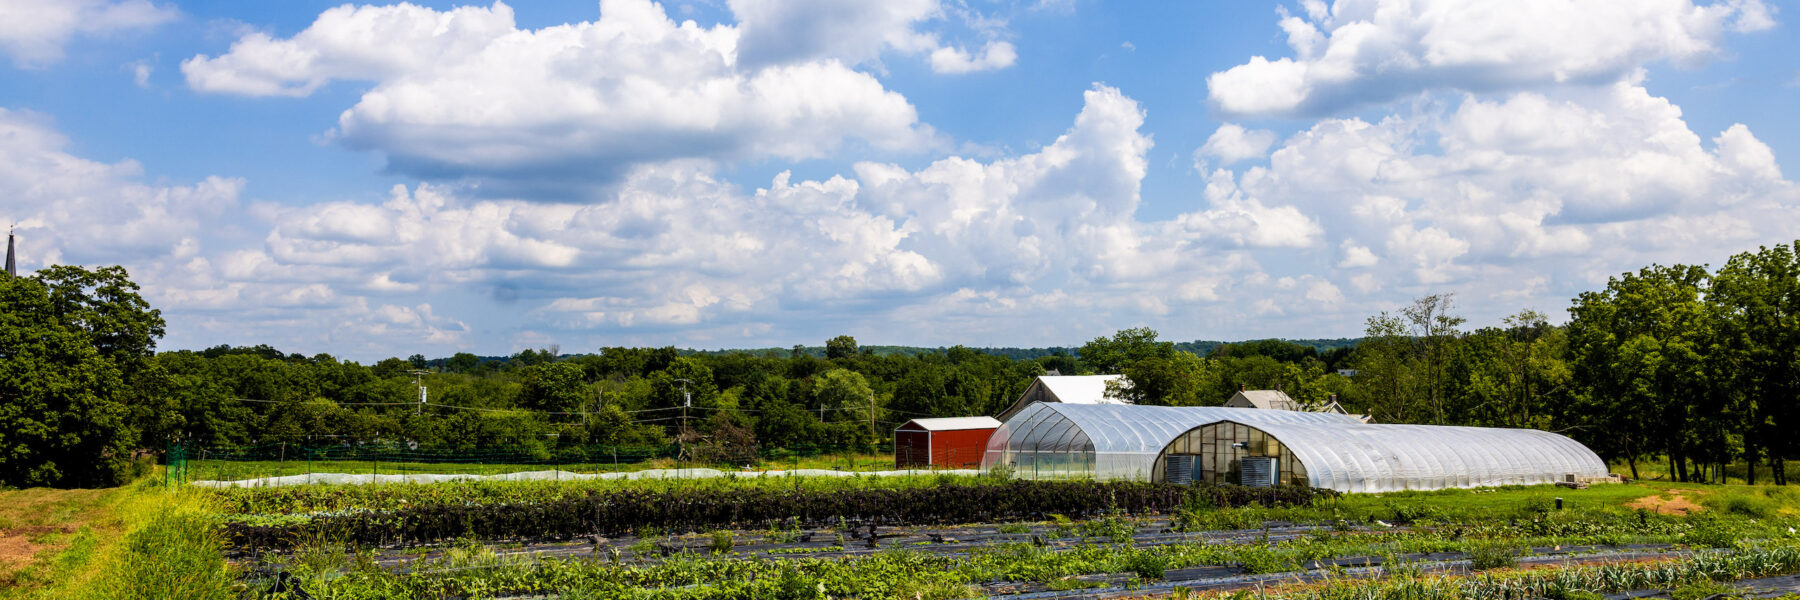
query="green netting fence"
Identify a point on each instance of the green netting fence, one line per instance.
(188, 463)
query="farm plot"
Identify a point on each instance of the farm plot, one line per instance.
(957, 538)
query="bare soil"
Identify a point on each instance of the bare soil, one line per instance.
(1675, 504)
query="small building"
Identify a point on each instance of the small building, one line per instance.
(1357, 457)
(1266, 400)
(1279, 400)
(1069, 389)
(949, 443)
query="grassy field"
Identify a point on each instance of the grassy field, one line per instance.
(1657, 469)
(140, 541)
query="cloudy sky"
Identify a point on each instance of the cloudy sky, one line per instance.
(378, 180)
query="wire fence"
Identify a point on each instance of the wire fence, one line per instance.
(188, 463)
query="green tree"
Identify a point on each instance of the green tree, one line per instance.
(104, 304)
(63, 417)
(1125, 348)
(1638, 348)
(933, 390)
(1386, 382)
(462, 362)
(1402, 360)
(1756, 301)
(553, 387)
(847, 394)
(1180, 379)
(842, 346)
(686, 381)
(1512, 376)
(1434, 334)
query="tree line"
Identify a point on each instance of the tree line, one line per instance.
(1697, 367)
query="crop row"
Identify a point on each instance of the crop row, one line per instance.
(342, 497)
(620, 512)
(908, 574)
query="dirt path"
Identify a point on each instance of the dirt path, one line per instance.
(1675, 504)
(36, 523)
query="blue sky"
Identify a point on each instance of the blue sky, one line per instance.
(377, 180)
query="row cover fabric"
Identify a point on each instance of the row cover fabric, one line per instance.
(1362, 457)
(426, 478)
(1112, 441)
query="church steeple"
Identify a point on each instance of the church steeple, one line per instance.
(12, 268)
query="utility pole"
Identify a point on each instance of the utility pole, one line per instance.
(687, 401)
(419, 381)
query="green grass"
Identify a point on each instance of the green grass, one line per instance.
(1657, 469)
(139, 541)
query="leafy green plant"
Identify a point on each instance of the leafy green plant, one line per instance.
(1710, 531)
(721, 541)
(1703, 589)
(1493, 554)
(1146, 565)
(1262, 560)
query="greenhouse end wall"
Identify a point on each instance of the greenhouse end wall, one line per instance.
(1108, 441)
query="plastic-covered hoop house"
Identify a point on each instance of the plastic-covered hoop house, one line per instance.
(1358, 457)
(1111, 441)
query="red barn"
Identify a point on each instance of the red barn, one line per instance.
(953, 443)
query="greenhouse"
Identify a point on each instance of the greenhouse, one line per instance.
(1111, 441)
(1356, 457)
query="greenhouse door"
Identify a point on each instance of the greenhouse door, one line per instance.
(1180, 469)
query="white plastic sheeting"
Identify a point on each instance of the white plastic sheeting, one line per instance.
(363, 479)
(1383, 458)
(1111, 441)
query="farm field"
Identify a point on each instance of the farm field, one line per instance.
(227, 470)
(904, 537)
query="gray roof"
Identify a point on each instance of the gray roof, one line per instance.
(1267, 400)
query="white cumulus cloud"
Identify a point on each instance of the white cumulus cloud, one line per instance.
(787, 31)
(1231, 143)
(1371, 51)
(465, 95)
(34, 32)
(1556, 187)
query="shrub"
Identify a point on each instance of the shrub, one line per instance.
(1749, 505)
(1493, 554)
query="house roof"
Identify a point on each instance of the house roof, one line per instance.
(1082, 389)
(1268, 400)
(951, 423)
(1068, 389)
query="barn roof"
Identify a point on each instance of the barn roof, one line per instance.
(952, 423)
